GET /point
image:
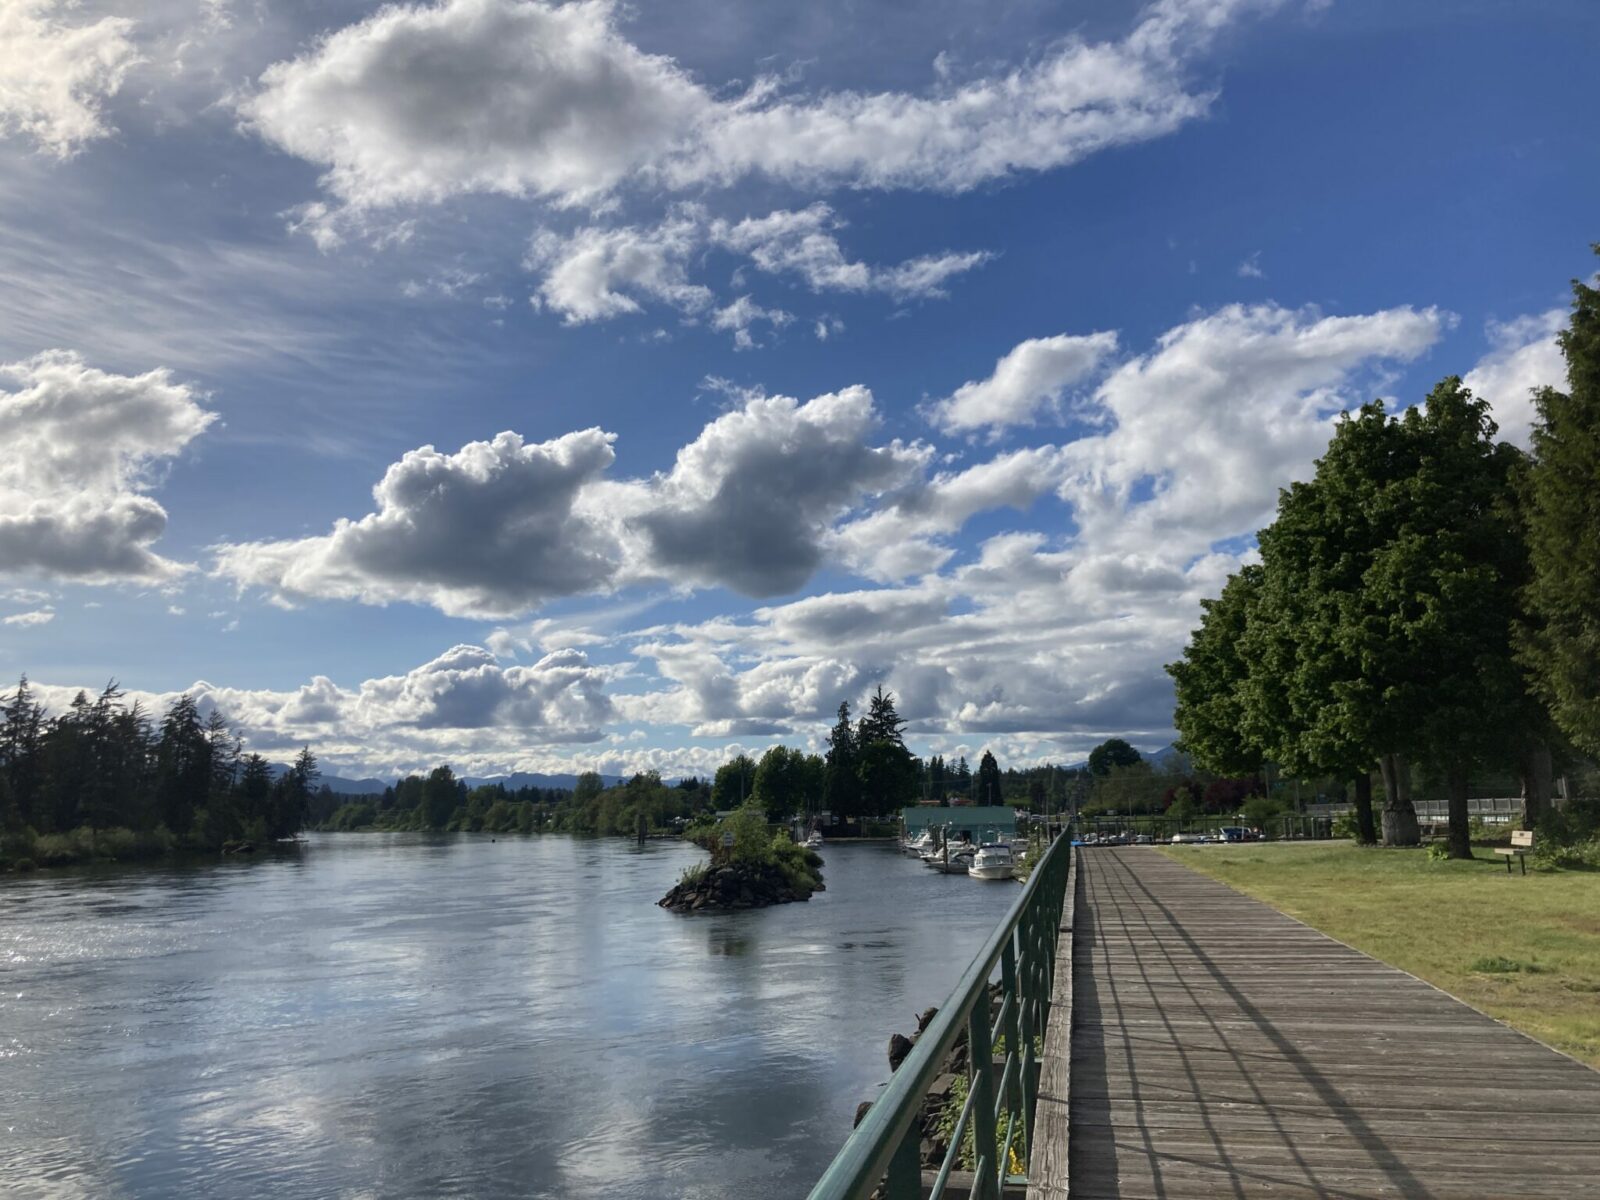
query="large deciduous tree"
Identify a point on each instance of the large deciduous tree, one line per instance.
(1113, 752)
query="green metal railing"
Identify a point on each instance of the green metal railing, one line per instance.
(886, 1147)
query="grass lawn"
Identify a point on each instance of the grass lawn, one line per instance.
(1525, 950)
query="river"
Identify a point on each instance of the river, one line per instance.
(405, 1015)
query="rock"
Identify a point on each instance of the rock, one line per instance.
(925, 1018)
(899, 1047)
(862, 1110)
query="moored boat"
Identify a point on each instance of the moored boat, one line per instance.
(993, 860)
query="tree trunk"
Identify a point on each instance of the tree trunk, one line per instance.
(1460, 839)
(1536, 772)
(1399, 818)
(1366, 830)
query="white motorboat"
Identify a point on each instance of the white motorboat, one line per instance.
(919, 846)
(813, 840)
(993, 860)
(959, 862)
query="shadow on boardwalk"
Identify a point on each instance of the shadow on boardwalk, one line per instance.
(1221, 1049)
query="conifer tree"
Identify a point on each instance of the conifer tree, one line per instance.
(1559, 641)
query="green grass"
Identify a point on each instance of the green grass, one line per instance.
(1525, 950)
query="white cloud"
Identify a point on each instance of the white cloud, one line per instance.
(1228, 408)
(79, 450)
(419, 103)
(463, 707)
(502, 526)
(1525, 357)
(1250, 268)
(750, 503)
(1028, 381)
(597, 273)
(42, 616)
(744, 312)
(802, 241)
(55, 76)
(488, 531)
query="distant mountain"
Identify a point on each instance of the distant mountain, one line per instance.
(353, 787)
(522, 779)
(1170, 758)
(517, 779)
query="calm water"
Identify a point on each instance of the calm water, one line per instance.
(411, 1016)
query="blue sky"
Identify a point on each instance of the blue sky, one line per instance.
(713, 365)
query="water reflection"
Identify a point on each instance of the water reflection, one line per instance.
(409, 1016)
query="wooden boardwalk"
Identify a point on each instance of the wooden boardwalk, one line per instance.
(1222, 1049)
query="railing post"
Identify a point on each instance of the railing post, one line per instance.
(980, 1062)
(1016, 1102)
(904, 1181)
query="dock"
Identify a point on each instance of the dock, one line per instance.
(1218, 1048)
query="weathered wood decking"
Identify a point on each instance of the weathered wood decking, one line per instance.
(1221, 1049)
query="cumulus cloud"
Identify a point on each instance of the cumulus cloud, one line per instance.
(803, 241)
(463, 707)
(1029, 380)
(40, 616)
(1044, 644)
(489, 531)
(421, 102)
(55, 76)
(598, 273)
(502, 526)
(79, 450)
(1525, 357)
(750, 502)
(1228, 408)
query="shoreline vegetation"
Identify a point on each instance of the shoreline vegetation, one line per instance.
(104, 782)
(751, 866)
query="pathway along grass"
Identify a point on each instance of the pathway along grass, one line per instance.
(1523, 949)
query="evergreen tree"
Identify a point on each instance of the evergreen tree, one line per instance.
(183, 765)
(963, 779)
(988, 780)
(1560, 639)
(841, 785)
(19, 753)
(887, 770)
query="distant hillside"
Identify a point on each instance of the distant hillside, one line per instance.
(1170, 758)
(518, 779)
(522, 779)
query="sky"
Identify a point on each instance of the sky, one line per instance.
(554, 387)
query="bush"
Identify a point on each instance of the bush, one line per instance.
(1345, 826)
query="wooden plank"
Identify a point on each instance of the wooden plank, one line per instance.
(1221, 1049)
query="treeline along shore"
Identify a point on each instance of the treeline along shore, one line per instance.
(107, 780)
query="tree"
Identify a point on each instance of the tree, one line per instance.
(1559, 640)
(886, 769)
(988, 780)
(183, 765)
(963, 777)
(19, 753)
(734, 783)
(440, 795)
(841, 785)
(1211, 678)
(1113, 752)
(787, 782)
(882, 722)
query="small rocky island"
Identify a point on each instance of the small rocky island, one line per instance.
(750, 867)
